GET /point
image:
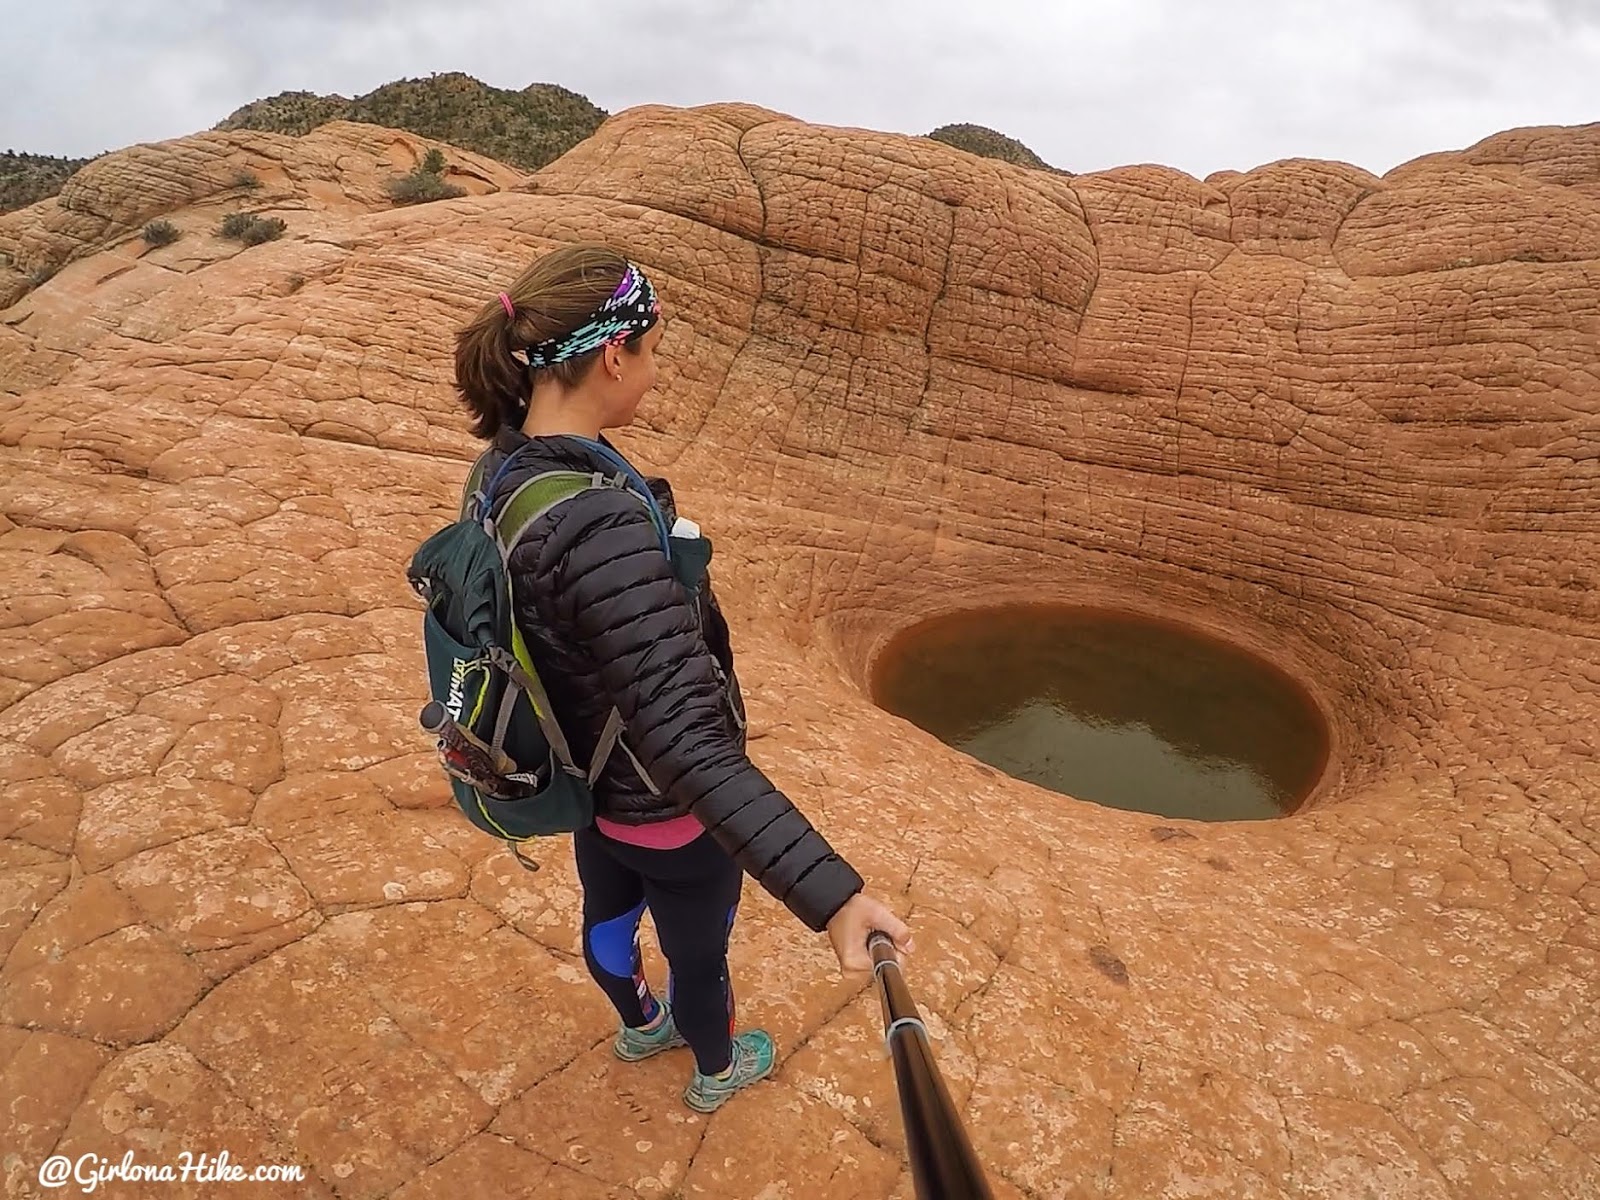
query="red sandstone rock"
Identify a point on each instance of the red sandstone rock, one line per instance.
(44, 1078)
(1347, 422)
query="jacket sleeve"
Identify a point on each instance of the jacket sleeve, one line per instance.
(613, 589)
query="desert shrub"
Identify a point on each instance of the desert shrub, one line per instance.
(295, 282)
(420, 188)
(234, 224)
(250, 228)
(263, 229)
(161, 233)
(424, 182)
(248, 180)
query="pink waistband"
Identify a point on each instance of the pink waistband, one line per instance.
(658, 835)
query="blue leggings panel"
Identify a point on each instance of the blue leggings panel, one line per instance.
(614, 943)
(693, 897)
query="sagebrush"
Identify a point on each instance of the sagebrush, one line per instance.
(251, 228)
(161, 233)
(424, 182)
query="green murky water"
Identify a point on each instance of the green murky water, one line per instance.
(1110, 707)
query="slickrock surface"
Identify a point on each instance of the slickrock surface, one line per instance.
(314, 183)
(1352, 423)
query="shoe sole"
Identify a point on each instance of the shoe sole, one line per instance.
(628, 1056)
(730, 1095)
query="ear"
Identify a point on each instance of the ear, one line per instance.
(611, 360)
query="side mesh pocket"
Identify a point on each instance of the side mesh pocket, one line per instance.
(458, 675)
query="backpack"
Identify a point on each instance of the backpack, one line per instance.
(509, 765)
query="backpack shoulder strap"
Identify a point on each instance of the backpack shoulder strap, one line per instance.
(473, 489)
(536, 497)
(639, 487)
(533, 499)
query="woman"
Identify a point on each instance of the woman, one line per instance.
(614, 623)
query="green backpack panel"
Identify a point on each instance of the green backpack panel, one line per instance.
(509, 764)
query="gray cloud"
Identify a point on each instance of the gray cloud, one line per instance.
(1199, 87)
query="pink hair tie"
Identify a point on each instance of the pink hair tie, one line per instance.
(505, 303)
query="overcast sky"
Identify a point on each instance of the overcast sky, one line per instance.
(1087, 84)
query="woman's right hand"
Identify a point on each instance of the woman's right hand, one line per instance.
(848, 931)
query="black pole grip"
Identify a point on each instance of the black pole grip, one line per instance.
(943, 1164)
(434, 717)
(478, 759)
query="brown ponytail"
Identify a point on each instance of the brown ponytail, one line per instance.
(553, 296)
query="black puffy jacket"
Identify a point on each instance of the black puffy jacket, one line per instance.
(608, 624)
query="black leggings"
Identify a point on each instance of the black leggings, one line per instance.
(692, 893)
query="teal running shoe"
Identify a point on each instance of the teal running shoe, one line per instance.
(634, 1045)
(754, 1056)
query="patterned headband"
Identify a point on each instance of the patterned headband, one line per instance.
(631, 309)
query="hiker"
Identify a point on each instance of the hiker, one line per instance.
(614, 624)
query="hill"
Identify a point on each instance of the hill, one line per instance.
(28, 178)
(1345, 423)
(991, 143)
(526, 128)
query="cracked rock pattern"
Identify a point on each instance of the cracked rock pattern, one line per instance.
(1352, 423)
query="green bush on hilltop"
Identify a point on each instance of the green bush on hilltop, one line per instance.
(526, 128)
(292, 113)
(990, 143)
(29, 178)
